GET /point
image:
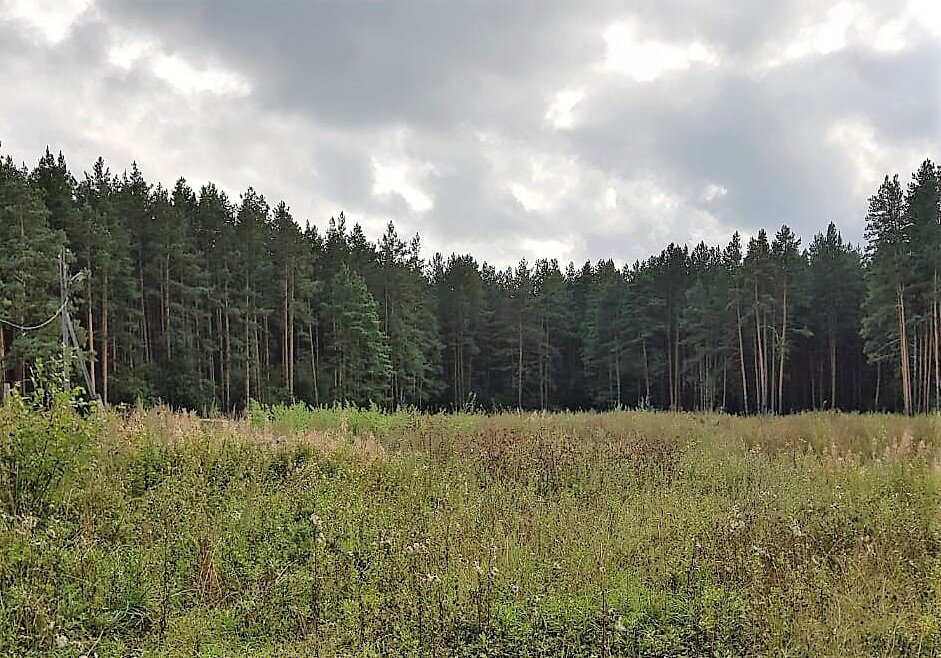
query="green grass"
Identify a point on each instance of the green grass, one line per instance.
(351, 532)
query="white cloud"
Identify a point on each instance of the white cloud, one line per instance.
(548, 248)
(547, 181)
(646, 60)
(188, 79)
(826, 36)
(126, 53)
(611, 198)
(560, 113)
(394, 172)
(50, 19)
(713, 192)
(854, 24)
(870, 156)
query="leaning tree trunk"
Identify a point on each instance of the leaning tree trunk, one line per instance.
(903, 353)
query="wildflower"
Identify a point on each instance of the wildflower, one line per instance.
(27, 523)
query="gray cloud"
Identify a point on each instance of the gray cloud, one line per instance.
(493, 127)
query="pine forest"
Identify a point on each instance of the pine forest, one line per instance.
(204, 302)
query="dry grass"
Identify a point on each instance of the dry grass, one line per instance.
(349, 532)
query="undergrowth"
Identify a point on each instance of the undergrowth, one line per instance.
(353, 532)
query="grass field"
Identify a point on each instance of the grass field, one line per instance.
(344, 532)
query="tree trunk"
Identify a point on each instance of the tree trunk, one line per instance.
(741, 356)
(104, 338)
(670, 363)
(936, 321)
(91, 341)
(166, 309)
(313, 354)
(227, 361)
(284, 330)
(676, 366)
(903, 353)
(248, 355)
(519, 367)
(291, 340)
(833, 404)
(875, 401)
(783, 353)
(617, 371)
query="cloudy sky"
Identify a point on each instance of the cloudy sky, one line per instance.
(506, 129)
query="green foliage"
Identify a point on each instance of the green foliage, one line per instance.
(298, 417)
(630, 534)
(205, 303)
(43, 439)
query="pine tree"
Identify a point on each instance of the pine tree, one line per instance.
(836, 288)
(358, 355)
(921, 219)
(885, 323)
(29, 276)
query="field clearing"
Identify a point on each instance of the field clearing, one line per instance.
(347, 532)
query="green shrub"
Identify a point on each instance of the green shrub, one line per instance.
(42, 437)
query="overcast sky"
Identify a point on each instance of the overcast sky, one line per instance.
(505, 129)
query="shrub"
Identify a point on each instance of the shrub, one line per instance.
(42, 437)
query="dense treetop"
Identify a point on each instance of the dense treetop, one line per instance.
(206, 303)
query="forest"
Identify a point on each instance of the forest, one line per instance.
(206, 303)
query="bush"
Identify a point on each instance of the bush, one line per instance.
(42, 437)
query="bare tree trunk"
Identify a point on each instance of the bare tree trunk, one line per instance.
(284, 332)
(783, 353)
(90, 322)
(291, 340)
(676, 366)
(741, 355)
(166, 308)
(832, 369)
(617, 367)
(104, 338)
(903, 353)
(227, 358)
(248, 356)
(760, 357)
(519, 366)
(936, 321)
(312, 327)
(878, 385)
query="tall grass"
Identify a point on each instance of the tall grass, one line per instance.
(352, 532)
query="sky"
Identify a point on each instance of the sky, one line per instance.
(505, 129)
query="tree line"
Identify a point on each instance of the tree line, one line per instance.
(206, 303)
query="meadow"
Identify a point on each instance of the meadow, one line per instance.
(351, 532)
